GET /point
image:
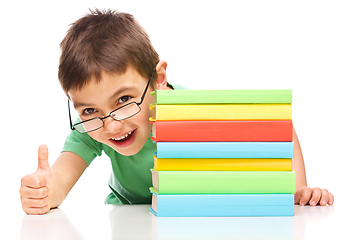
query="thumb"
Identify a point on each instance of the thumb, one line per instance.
(43, 163)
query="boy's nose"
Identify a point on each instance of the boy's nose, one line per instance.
(111, 125)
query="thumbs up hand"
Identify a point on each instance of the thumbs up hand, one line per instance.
(37, 188)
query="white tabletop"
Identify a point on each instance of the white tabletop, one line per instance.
(135, 222)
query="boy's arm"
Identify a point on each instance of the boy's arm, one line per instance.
(305, 194)
(298, 165)
(48, 187)
(66, 171)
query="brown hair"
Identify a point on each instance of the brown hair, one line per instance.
(104, 40)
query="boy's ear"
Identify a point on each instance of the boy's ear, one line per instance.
(161, 72)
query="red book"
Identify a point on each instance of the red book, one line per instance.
(222, 131)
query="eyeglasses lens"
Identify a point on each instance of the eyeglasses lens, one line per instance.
(126, 111)
(122, 113)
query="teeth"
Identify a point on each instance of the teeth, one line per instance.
(120, 138)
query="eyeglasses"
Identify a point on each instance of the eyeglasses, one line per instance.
(124, 112)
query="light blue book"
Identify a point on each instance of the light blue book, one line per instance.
(225, 149)
(223, 205)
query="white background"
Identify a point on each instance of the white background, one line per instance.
(294, 45)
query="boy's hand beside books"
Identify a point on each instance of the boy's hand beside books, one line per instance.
(37, 188)
(313, 196)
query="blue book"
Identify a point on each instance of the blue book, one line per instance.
(223, 205)
(225, 149)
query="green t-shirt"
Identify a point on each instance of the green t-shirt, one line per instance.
(130, 178)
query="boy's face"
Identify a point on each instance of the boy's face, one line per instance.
(113, 91)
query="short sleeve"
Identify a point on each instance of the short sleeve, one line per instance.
(83, 145)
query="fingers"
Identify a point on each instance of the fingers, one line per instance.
(36, 210)
(326, 198)
(33, 181)
(321, 197)
(313, 196)
(36, 189)
(331, 199)
(35, 202)
(34, 194)
(303, 195)
(43, 156)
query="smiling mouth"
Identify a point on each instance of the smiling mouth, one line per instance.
(124, 137)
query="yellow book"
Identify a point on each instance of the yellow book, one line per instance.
(222, 164)
(222, 112)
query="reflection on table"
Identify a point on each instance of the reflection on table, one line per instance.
(135, 222)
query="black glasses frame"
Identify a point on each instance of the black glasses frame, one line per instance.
(72, 126)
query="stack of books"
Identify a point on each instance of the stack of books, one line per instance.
(222, 153)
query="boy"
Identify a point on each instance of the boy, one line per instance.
(107, 68)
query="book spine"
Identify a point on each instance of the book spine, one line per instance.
(222, 164)
(225, 149)
(223, 153)
(216, 182)
(222, 112)
(222, 131)
(227, 205)
(222, 96)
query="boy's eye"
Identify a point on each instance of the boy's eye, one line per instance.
(124, 99)
(89, 111)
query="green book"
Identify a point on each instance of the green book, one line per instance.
(222, 96)
(223, 182)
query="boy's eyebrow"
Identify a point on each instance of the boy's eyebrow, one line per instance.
(77, 104)
(118, 92)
